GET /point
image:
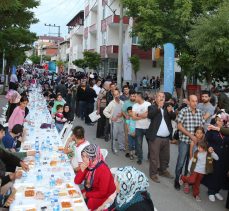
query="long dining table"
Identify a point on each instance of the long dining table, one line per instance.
(49, 183)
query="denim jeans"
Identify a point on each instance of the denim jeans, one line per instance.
(82, 109)
(140, 133)
(183, 156)
(132, 142)
(59, 127)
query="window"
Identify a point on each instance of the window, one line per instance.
(136, 40)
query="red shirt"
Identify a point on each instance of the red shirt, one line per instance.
(102, 187)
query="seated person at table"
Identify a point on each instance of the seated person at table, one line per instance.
(58, 101)
(10, 140)
(131, 192)
(59, 118)
(74, 146)
(98, 180)
(18, 115)
(20, 155)
(68, 114)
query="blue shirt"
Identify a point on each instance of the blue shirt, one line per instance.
(8, 141)
(131, 125)
(127, 104)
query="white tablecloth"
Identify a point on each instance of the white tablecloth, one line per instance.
(63, 171)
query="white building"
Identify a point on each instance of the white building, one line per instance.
(96, 28)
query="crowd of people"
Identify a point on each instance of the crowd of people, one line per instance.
(126, 118)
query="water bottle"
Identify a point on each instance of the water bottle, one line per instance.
(56, 205)
(39, 175)
(36, 145)
(53, 124)
(43, 146)
(50, 147)
(52, 181)
(37, 157)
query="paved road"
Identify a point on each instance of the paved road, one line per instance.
(164, 196)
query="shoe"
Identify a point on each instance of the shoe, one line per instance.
(127, 155)
(211, 198)
(198, 198)
(186, 188)
(139, 162)
(176, 185)
(219, 196)
(181, 181)
(155, 178)
(166, 174)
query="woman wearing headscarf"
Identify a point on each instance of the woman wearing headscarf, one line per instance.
(220, 143)
(131, 188)
(96, 175)
(68, 114)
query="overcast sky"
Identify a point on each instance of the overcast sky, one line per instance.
(58, 12)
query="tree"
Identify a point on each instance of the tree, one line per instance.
(35, 59)
(91, 60)
(209, 42)
(135, 62)
(160, 21)
(15, 38)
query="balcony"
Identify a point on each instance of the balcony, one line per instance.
(113, 20)
(93, 29)
(86, 33)
(103, 51)
(77, 31)
(111, 50)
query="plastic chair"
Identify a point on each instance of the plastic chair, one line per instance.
(104, 152)
(68, 135)
(66, 129)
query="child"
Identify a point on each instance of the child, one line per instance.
(74, 145)
(199, 134)
(59, 118)
(131, 132)
(199, 165)
(59, 101)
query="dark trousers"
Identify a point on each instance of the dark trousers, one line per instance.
(107, 129)
(89, 110)
(159, 155)
(82, 109)
(227, 203)
(140, 133)
(194, 179)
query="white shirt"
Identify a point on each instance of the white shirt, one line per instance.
(97, 90)
(140, 109)
(201, 162)
(163, 130)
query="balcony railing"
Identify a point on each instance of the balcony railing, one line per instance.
(92, 28)
(86, 11)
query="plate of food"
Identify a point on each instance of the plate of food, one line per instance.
(69, 185)
(53, 163)
(66, 204)
(29, 193)
(62, 193)
(74, 194)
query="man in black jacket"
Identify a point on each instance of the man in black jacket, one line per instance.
(158, 134)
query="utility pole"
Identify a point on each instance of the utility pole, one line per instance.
(55, 26)
(120, 49)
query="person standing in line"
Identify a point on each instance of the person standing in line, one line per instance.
(126, 93)
(81, 97)
(62, 89)
(158, 83)
(101, 104)
(140, 114)
(206, 108)
(97, 88)
(128, 103)
(188, 119)
(159, 134)
(90, 100)
(114, 113)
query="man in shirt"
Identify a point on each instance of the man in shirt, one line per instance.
(128, 103)
(188, 119)
(206, 108)
(140, 113)
(114, 113)
(126, 95)
(159, 134)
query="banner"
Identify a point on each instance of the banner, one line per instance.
(127, 68)
(52, 66)
(169, 75)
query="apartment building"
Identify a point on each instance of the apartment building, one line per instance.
(99, 31)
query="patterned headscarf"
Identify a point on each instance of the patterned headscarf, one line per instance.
(131, 183)
(95, 160)
(13, 96)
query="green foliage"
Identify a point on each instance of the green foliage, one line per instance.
(135, 62)
(60, 63)
(91, 60)
(35, 59)
(46, 58)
